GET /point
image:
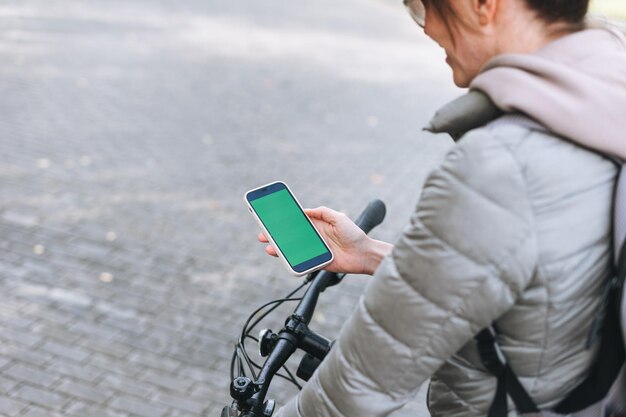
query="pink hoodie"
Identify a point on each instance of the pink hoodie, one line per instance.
(575, 86)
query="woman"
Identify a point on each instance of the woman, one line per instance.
(512, 228)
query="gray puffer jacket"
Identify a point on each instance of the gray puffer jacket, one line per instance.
(513, 228)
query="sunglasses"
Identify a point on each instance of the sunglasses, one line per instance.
(417, 11)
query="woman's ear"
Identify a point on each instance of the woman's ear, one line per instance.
(485, 10)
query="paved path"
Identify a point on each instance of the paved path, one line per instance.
(129, 131)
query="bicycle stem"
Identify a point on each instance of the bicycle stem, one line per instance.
(284, 348)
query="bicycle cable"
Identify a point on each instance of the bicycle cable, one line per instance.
(246, 333)
(240, 354)
(286, 298)
(241, 351)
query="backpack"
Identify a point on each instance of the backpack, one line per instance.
(603, 392)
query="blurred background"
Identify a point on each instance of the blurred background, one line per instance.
(129, 131)
(615, 9)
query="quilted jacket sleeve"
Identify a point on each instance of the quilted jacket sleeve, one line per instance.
(466, 256)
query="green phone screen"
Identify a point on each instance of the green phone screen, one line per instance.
(289, 227)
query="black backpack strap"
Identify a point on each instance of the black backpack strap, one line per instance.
(611, 354)
(495, 362)
(594, 388)
(607, 326)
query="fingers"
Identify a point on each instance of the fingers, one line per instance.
(268, 249)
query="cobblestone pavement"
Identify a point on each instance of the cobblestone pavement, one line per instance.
(129, 131)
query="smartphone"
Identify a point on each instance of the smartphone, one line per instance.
(296, 240)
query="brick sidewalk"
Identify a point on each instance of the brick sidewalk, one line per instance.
(129, 132)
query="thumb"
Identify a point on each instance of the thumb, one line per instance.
(315, 213)
(324, 214)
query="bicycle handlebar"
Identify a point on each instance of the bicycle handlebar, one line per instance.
(372, 216)
(296, 335)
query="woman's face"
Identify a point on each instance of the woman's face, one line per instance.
(468, 47)
(474, 31)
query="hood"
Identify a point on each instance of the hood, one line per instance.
(574, 86)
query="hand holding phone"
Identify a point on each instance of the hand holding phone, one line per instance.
(291, 233)
(353, 251)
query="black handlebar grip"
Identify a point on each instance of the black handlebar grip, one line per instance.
(372, 216)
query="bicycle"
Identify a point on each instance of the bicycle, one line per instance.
(249, 394)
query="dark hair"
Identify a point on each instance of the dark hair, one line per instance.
(568, 11)
(551, 11)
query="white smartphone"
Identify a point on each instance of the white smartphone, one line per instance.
(296, 240)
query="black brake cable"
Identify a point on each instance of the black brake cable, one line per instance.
(236, 361)
(245, 332)
(291, 378)
(240, 349)
(239, 362)
(286, 298)
(232, 363)
(278, 302)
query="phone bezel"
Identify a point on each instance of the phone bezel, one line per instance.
(307, 266)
